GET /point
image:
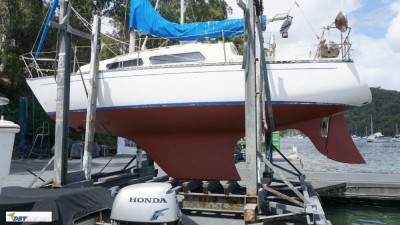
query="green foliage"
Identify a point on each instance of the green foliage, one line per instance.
(19, 21)
(384, 110)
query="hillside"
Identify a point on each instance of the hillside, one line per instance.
(385, 112)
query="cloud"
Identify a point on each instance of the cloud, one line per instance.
(376, 62)
(376, 55)
(309, 17)
(393, 32)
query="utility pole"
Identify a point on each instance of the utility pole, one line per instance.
(92, 101)
(62, 100)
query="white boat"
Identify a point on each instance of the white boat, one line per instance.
(200, 101)
(377, 137)
(184, 104)
(355, 137)
(396, 137)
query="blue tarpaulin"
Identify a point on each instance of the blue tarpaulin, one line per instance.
(144, 18)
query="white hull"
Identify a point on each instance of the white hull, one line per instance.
(293, 83)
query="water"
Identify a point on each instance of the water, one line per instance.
(380, 158)
(357, 212)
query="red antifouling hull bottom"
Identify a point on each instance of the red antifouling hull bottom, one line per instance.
(197, 142)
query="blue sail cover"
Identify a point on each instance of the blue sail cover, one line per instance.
(46, 27)
(144, 18)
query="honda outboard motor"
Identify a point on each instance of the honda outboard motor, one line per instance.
(146, 203)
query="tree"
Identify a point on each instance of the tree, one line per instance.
(19, 20)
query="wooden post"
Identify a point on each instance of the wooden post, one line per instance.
(92, 101)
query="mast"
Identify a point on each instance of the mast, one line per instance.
(132, 41)
(182, 11)
(372, 126)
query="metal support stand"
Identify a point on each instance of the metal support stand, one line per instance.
(63, 93)
(251, 103)
(255, 98)
(62, 102)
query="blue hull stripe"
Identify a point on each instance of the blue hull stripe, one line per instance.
(188, 104)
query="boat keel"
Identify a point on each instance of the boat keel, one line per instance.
(337, 144)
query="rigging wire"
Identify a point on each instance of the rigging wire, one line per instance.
(114, 39)
(83, 20)
(88, 26)
(110, 50)
(80, 72)
(41, 27)
(308, 21)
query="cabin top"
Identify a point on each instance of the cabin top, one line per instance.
(190, 53)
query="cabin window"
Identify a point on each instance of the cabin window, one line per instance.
(132, 62)
(177, 58)
(126, 63)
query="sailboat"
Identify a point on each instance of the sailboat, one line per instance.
(377, 137)
(184, 104)
(396, 137)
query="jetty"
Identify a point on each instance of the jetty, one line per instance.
(325, 184)
(369, 186)
(207, 199)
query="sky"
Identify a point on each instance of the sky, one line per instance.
(375, 33)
